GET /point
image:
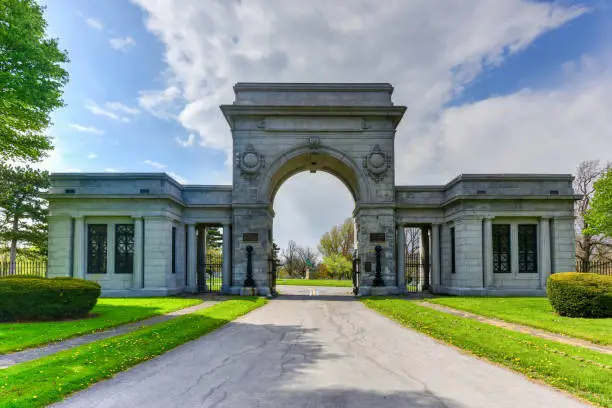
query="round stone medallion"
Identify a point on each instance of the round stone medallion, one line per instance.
(377, 160)
(250, 160)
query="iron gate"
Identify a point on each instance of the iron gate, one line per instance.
(355, 273)
(417, 273)
(210, 273)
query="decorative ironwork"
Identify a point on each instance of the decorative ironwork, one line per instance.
(249, 282)
(501, 248)
(96, 248)
(528, 248)
(124, 248)
(210, 273)
(376, 163)
(378, 280)
(414, 271)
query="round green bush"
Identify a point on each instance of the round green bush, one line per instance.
(36, 298)
(576, 294)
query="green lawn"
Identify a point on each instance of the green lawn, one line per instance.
(112, 312)
(315, 282)
(44, 381)
(583, 372)
(534, 312)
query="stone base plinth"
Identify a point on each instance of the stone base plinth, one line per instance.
(379, 291)
(248, 291)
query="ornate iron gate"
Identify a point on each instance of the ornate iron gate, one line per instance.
(355, 273)
(417, 272)
(210, 273)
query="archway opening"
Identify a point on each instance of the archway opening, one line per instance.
(314, 232)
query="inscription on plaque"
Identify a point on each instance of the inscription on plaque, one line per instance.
(377, 237)
(368, 266)
(250, 237)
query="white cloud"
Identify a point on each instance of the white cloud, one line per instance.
(186, 143)
(93, 23)
(122, 44)
(430, 51)
(155, 164)
(111, 170)
(164, 104)
(177, 177)
(87, 129)
(111, 110)
(118, 106)
(92, 156)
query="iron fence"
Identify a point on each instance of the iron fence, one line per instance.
(210, 273)
(600, 267)
(24, 267)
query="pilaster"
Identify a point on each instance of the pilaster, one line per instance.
(544, 251)
(227, 258)
(137, 278)
(80, 250)
(488, 251)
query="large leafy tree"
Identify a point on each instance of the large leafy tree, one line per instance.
(599, 216)
(31, 80)
(338, 266)
(23, 211)
(340, 240)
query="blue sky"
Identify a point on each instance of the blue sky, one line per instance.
(508, 86)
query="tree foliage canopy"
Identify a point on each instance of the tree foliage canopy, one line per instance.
(23, 211)
(31, 80)
(599, 215)
(340, 240)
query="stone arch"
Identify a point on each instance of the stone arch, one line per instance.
(303, 158)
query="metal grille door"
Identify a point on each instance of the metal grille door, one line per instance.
(210, 273)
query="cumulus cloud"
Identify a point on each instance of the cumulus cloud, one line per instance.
(430, 52)
(186, 143)
(92, 156)
(122, 44)
(86, 129)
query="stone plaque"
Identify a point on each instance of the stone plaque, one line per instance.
(377, 237)
(368, 266)
(250, 237)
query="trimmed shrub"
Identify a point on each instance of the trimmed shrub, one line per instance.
(35, 298)
(576, 294)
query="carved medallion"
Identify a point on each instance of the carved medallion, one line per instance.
(376, 163)
(250, 162)
(314, 142)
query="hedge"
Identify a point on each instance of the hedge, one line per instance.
(28, 297)
(577, 294)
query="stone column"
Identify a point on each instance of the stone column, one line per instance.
(435, 256)
(488, 252)
(80, 249)
(191, 258)
(401, 258)
(544, 266)
(227, 258)
(425, 257)
(137, 278)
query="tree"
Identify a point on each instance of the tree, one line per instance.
(338, 266)
(589, 245)
(31, 80)
(340, 240)
(214, 239)
(599, 216)
(23, 210)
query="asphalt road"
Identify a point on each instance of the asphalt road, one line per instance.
(317, 349)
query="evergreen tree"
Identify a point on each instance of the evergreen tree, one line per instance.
(23, 210)
(214, 238)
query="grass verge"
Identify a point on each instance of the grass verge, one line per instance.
(344, 283)
(50, 379)
(582, 372)
(534, 312)
(110, 312)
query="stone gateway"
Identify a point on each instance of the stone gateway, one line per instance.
(143, 234)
